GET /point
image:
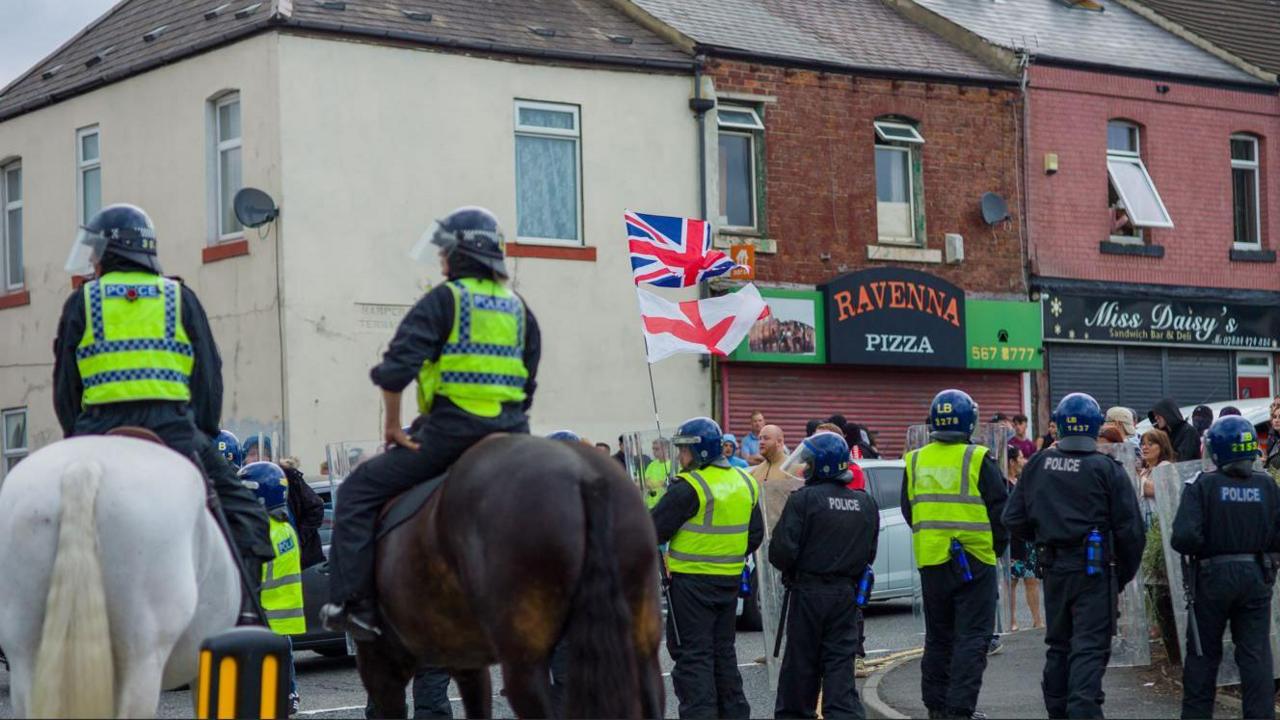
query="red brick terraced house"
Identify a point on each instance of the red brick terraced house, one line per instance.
(852, 150)
(1153, 202)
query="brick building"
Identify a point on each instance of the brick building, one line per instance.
(852, 149)
(1152, 199)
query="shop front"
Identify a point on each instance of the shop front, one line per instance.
(876, 346)
(1131, 345)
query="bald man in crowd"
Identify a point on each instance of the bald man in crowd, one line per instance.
(774, 451)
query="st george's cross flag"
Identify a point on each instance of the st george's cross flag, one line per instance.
(715, 325)
(672, 251)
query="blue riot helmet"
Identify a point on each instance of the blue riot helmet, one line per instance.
(268, 482)
(123, 230)
(258, 443)
(703, 437)
(1231, 439)
(824, 458)
(1078, 415)
(953, 411)
(470, 231)
(228, 446)
(565, 436)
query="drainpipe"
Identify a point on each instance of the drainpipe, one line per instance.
(700, 105)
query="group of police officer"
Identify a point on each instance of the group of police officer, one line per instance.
(134, 348)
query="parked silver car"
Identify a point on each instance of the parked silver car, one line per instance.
(895, 567)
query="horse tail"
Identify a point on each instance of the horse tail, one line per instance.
(75, 671)
(602, 671)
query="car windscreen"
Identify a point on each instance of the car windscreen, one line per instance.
(885, 484)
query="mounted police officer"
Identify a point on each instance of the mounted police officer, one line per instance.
(953, 499)
(711, 517)
(823, 544)
(134, 349)
(1080, 509)
(1229, 524)
(473, 346)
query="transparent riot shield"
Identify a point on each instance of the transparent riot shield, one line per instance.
(1131, 645)
(772, 594)
(343, 457)
(650, 463)
(1169, 481)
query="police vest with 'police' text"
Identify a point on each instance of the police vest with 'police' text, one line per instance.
(282, 582)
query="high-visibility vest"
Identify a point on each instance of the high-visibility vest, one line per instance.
(655, 481)
(282, 582)
(482, 363)
(714, 540)
(942, 488)
(134, 346)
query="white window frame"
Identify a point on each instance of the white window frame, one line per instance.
(1255, 166)
(913, 241)
(751, 175)
(8, 454)
(538, 131)
(220, 146)
(1257, 371)
(83, 166)
(754, 124)
(913, 134)
(1134, 157)
(8, 205)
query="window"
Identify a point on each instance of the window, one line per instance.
(227, 138)
(15, 437)
(899, 216)
(89, 177)
(1244, 190)
(548, 173)
(1132, 196)
(11, 224)
(738, 128)
(885, 485)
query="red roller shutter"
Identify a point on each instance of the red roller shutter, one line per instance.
(886, 400)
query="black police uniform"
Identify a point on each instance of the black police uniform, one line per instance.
(824, 540)
(1228, 521)
(960, 616)
(1065, 492)
(187, 428)
(706, 677)
(444, 434)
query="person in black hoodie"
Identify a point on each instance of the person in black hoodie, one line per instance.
(1182, 435)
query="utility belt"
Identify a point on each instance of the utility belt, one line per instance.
(1266, 562)
(1067, 558)
(803, 579)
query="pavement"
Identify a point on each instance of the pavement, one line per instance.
(1011, 687)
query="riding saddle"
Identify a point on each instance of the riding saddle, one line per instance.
(407, 504)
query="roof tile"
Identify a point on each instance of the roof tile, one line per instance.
(1248, 28)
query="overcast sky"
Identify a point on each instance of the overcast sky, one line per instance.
(31, 29)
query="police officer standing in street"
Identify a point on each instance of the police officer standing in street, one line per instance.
(711, 517)
(953, 499)
(1228, 524)
(134, 348)
(823, 545)
(1081, 510)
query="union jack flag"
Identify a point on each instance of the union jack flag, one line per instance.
(672, 251)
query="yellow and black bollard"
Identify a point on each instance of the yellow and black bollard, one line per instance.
(244, 673)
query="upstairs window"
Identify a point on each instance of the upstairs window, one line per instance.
(226, 117)
(15, 438)
(548, 173)
(11, 225)
(1244, 191)
(1135, 204)
(899, 211)
(88, 173)
(739, 130)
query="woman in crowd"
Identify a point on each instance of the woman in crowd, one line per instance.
(1156, 451)
(1022, 561)
(1273, 439)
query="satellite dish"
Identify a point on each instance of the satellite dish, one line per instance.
(254, 208)
(994, 208)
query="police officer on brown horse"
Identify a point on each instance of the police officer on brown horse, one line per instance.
(473, 347)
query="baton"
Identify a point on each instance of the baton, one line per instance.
(1113, 587)
(1189, 589)
(782, 622)
(666, 593)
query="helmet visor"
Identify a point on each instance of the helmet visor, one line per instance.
(799, 461)
(429, 245)
(86, 250)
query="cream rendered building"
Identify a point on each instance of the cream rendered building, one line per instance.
(364, 121)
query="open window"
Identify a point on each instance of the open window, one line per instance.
(1133, 199)
(899, 214)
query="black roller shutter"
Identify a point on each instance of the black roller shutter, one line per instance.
(1084, 368)
(1195, 378)
(1142, 379)
(1138, 377)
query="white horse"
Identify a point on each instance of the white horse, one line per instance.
(112, 572)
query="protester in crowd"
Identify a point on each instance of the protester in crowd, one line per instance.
(1273, 440)
(1047, 440)
(1022, 558)
(1156, 451)
(860, 442)
(750, 450)
(731, 451)
(619, 456)
(1228, 410)
(1201, 418)
(774, 452)
(1025, 445)
(603, 448)
(1183, 436)
(1109, 435)
(811, 427)
(1122, 419)
(306, 509)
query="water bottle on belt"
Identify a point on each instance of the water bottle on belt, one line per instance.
(957, 552)
(1093, 553)
(744, 586)
(865, 583)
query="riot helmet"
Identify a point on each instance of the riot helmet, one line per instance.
(1231, 439)
(565, 436)
(953, 412)
(228, 446)
(703, 438)
(268, 482)
(122, 230)
(1078, 415)
(823, 457)
(257, 443)
(469, 232)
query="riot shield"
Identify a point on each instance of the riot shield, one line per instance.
(1169, 481)
(343, 457)
(772, 593)
(1131, 645)
(650, 463)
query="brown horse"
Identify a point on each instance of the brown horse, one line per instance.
(528, 540)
